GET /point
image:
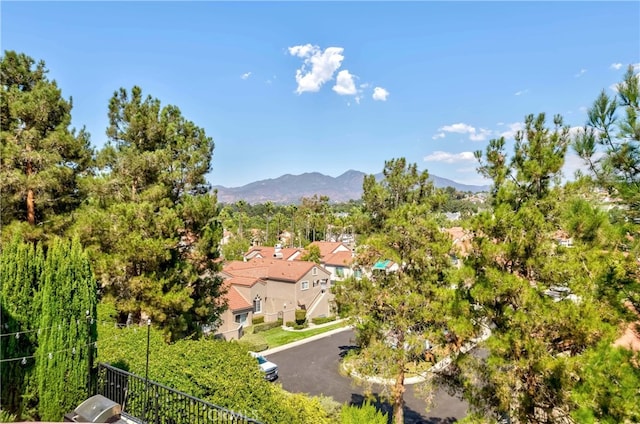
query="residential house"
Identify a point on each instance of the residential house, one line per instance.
(461, 243)
(385, 265)
(241, 309)
(337, 258)
(272, 288)
(563, 239)
(276, 252)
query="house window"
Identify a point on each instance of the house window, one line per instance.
(340, 272)
(314, 271)
(241, 318)
(257, 305)
(304, 285)
(316, 283)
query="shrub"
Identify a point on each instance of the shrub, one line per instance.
(301, 316)
(214, 370)
(367, 413)
(322, 320)
(254, 342)
(330, 406)
(291, 324)
(257, 320)
(267, 326)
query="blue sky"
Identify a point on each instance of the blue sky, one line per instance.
(293, 87)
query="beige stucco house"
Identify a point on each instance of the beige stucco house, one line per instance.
(272, 288)
(337, 258)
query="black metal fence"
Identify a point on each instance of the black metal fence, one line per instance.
(146, 401)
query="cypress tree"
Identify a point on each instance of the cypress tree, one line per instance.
(20, 267)
(66, 348)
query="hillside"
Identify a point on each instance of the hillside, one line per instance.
(289, 189)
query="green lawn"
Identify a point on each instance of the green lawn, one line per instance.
(278, 337)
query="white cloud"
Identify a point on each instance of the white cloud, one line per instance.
(380, 94)
(365, 85)
(513, 129)
(448, 157)
(303, 51)
(318, 66)
(246, 75)
(521, 92)
(459, 128)
(618, 66)
(574, 131)
(345, 85)
(480, 135)
(614, 87)
(462, 128)
(438, 135)
(581, 73)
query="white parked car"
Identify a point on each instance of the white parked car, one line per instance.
(269, 369)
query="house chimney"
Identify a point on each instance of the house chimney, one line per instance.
(278, 251)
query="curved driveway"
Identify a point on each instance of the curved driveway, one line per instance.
(313, 368)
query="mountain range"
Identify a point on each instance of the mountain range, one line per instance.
(289, 189)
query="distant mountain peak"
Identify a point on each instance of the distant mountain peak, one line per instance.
(290, 189)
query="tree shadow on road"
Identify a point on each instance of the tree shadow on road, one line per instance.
(410, 416)
(345, 349)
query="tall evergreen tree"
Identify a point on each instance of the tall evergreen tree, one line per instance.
(20, 270)
(537, 342)
(41, 159)
(150, 222)
(398, 314)
(66, 344)
(613, 128)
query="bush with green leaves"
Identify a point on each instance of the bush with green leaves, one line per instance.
(367, 413)
(257, 320)
(217, 371)
(301, 316)
(258, 328)
(323, 320)
(254, 342)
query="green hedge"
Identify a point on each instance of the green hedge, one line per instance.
(214, 370)
(267, 326)
(296, 326)
(257, 320)
(254, 342)
(322, 320)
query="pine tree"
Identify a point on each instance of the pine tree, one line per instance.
(150, 222)
(399, 314)
(41, 159)
(534, 353)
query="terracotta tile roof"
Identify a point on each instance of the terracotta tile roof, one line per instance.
(268, 251)
(273, 269)
(327, 247)
(242, 281)
(245, 269)
(461, 239)
(339, 259)
(235, 300)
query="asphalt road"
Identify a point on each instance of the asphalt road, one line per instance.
(313, 368)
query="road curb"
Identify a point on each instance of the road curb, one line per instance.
(306, 340)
